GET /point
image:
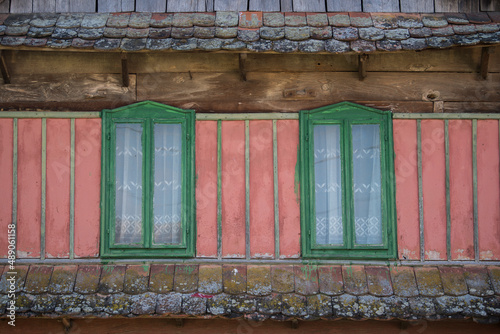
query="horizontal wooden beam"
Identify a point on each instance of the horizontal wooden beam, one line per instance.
(50, 114)
(247, 116)
(446, 116)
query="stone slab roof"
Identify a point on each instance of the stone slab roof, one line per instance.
(249, 31)
(280, 292)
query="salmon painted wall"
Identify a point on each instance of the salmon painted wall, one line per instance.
(448, 229)
(46, 233)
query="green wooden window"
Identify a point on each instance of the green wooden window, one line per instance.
(148, 181)
(347, 183)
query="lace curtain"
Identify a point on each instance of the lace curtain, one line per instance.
(366, 184)
(167, 192)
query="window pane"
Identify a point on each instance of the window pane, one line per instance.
(167, 199)
(128, 186)
(328, 184)
(367, 182)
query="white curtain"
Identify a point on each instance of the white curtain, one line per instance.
(328, 184)
(367, 184)
(167, 199)
(128, 184)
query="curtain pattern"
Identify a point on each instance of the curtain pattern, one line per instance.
(167, 200)
(128, 184)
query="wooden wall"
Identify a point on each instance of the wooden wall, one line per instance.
(423, 6)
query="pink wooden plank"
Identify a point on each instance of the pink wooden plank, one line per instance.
(461, 209)
(405, 164)
(233, 189)
(288, 185)
(488, 192)
(6, 182)
(29, 167)
(58, 183)
(206, 188)
(261, 189)
(434, 189)
(87, 186)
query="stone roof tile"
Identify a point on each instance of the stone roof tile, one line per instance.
(379, 281)
(18, 273)
(185, 44)
(161, 278)
(248, 35)
(371, 34)
(409, 21)
(94, 20)
(494, 16)
(40, 32)
(115, 32)
(330, 280)
(69, 20)
(13, 40)
(182, 33)
(87, 279)
(439, 42)
(83, 43)
(271, 33)
(160, 33)
(59, 43)
(204, 19)
(487, 28)
(354, 279)
(161, 20)
(226, 32)
(44, 20)
(282, 277)
(306, 279)
(453, 280)
(478, 18)
(90, 33)
(226, 19)
(397, 34)
(259, 280)
(234, 278)
(118, 20)
(297, 33)
(295, 19)
(384, 20)
(456, 18)
(321, 32)
(63, 279)
(466, 39)
(434, 21)
(210, 279)
(388, 45)
(319, 305)
(273, 19)
(107, 44)
(494, 272)
(464, 29)
(404, 282)
(294, 305)
(17, 20)
(137, 33)
(144, 303)
(445, 31)
(36, 42)
(335, 46)
(360, 19)
(156, 44)
(363, 46)
(317, 19)
(186, 278)
(140, 20)
(136, 279)
(429, 281)
(204, 32)
(16, 31)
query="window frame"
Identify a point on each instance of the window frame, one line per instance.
(346, 114)
(148, 114)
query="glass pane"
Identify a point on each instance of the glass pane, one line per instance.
(167, 199)
(328, 184)
(367, 182)
(128, 185)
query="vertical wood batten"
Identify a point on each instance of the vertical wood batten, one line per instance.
(447, 180)
(14, 177)
(87, 187)
(7, 176)
(488, 186)
(474, 189)
(276, 194)
(44, 188)
(206, 189)
(407, 200)
(247, 190)
(461, 190)
(261, 190)
(72, 192)
(219, 189)
(420, 190)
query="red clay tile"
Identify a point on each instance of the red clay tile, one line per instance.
(379, 281)
(258, 280)
(186, 278)
(210, 279)
(478, 281)
(330, 280)
(234, 279)
(295, 19)
(354, 279)
(494, 16)
(87, 279)
(306, 279)
(384, 20)
(282, 277)
(250, 19)
(63, 279)
(494, 272)
(38, 279)
(478, 18)
(136, 279)
(161, 278)
(112, 279)
(339, 19)
(403, 282)
(359, 19)
(453, 280)
(429, 281)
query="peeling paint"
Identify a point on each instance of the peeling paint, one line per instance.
(433, 255)
(407, 254)
(487, 255)
(263, 256)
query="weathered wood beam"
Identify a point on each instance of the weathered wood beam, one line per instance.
(485, 61)
(66, 322)
(5, 71)
(242, 63)
(125, 76)
(362, 66)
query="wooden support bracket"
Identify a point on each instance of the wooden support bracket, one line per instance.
(4, 70)
(242, 61)
(485, 60)
(362, 59)
(125, 76)
(66, 324)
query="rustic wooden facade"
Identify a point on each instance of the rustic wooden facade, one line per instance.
(247, 69)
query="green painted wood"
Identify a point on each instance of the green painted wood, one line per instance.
(14, 178)
(44, 188)
(72, 193)
(420, 190)
(147, 114)
(49, 114)
(246, 116)
(474, 189)
(445, 116)
(345, 115)
(276, 194)
(219, 189)
(447, 181)
(247, 189)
